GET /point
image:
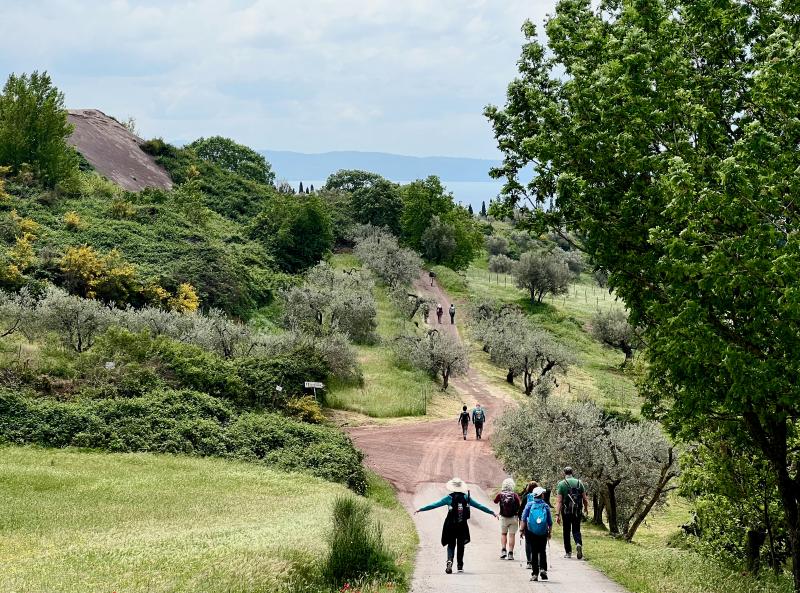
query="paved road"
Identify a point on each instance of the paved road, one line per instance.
(419, 458)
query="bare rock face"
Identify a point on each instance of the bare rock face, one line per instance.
(114, 152)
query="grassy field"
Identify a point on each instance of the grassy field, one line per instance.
(597, 374)
(388, 391)
(649, 565)
(74, 522)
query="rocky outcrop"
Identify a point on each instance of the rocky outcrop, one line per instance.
(114, 151)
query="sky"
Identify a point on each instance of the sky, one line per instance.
(403, 76)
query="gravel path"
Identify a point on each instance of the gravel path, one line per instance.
(419, 458)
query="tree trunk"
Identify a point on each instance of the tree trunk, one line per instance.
(597, 510)
(445, 378)
(611, 508)
(755, 539)
(510, 376)
(663, 482)
(626, 348)
(771, 437)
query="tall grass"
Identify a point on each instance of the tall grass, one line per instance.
(357, 551)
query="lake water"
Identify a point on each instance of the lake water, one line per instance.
(464, 192)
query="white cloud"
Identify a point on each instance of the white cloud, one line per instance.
(406, 76)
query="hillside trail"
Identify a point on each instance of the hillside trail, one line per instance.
(418, 458)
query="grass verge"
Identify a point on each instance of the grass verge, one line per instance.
(74, 521)
(649, 565)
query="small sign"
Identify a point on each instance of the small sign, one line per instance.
(110, 365)
(314, 385)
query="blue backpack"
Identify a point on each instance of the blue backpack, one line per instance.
(537, 519)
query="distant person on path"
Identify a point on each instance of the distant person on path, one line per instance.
(510, 506)
(455, 531)
(571, 504)
(432, 276)
(478, 418)
(439, 312)
(452, 313)
(537, 524)
(426, 310)
(463, 420)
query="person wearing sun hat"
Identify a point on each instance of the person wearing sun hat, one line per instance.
(455, 531)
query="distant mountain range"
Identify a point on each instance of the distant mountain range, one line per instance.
(298, 166)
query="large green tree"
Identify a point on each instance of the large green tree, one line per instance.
(666, 133)
(422, 200)
(378, 204)
(234, 157)
(297, 230)
(34, 128)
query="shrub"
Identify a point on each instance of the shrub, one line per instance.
(73, 221)
(357, 549)
(182, 421)
(542, 274)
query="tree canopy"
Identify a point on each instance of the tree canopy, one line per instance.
(666, 134)
(34, 128)
(234, 157)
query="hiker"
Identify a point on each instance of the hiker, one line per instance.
(439, 312)
(455, 531)
(426, 310)
(537, 526)
(571, 504)
(510, 506)
(463, 420)
(478, 418)
(452, 313)
(526, 496)
(432, 275)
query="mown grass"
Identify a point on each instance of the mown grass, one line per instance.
(649, 565)
(387, 391)
(597, 375)
(74, 521)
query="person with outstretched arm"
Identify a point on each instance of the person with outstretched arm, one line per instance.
(571, 504)
(455, 531)
(478, 418)
(463, 420)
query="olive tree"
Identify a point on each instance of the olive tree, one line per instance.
(501, 264)
(17, 313)
(496, 245)
(542, 273)
(380, 252)
(331, 301)
(515, 344)
(630, 465)
(77, 321)
(613, 329)
(441, 354)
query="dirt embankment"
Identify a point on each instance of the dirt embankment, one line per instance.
(114, 151)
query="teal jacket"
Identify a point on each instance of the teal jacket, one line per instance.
(447, 501)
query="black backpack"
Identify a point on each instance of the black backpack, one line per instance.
(464, 418)
(573, 504)
(459, 508)
(509, 504)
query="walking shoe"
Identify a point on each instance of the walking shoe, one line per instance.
(449, 568)
(543, 575)
(534, 577)
(568, 555)
(528, 566)
(511, 555)
(579, 547)
(461, 568)
(503, 554)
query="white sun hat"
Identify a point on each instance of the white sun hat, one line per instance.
(538, 491)
(456, 485)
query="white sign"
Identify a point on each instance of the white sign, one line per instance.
(314, 385)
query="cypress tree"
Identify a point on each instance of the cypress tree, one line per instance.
(483, 208)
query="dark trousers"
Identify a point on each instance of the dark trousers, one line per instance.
(456, 548)
(536, 551)
(478, 429)
(464, 428)
(452, 318)
(572, 524)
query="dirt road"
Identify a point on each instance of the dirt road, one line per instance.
(419, 458)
